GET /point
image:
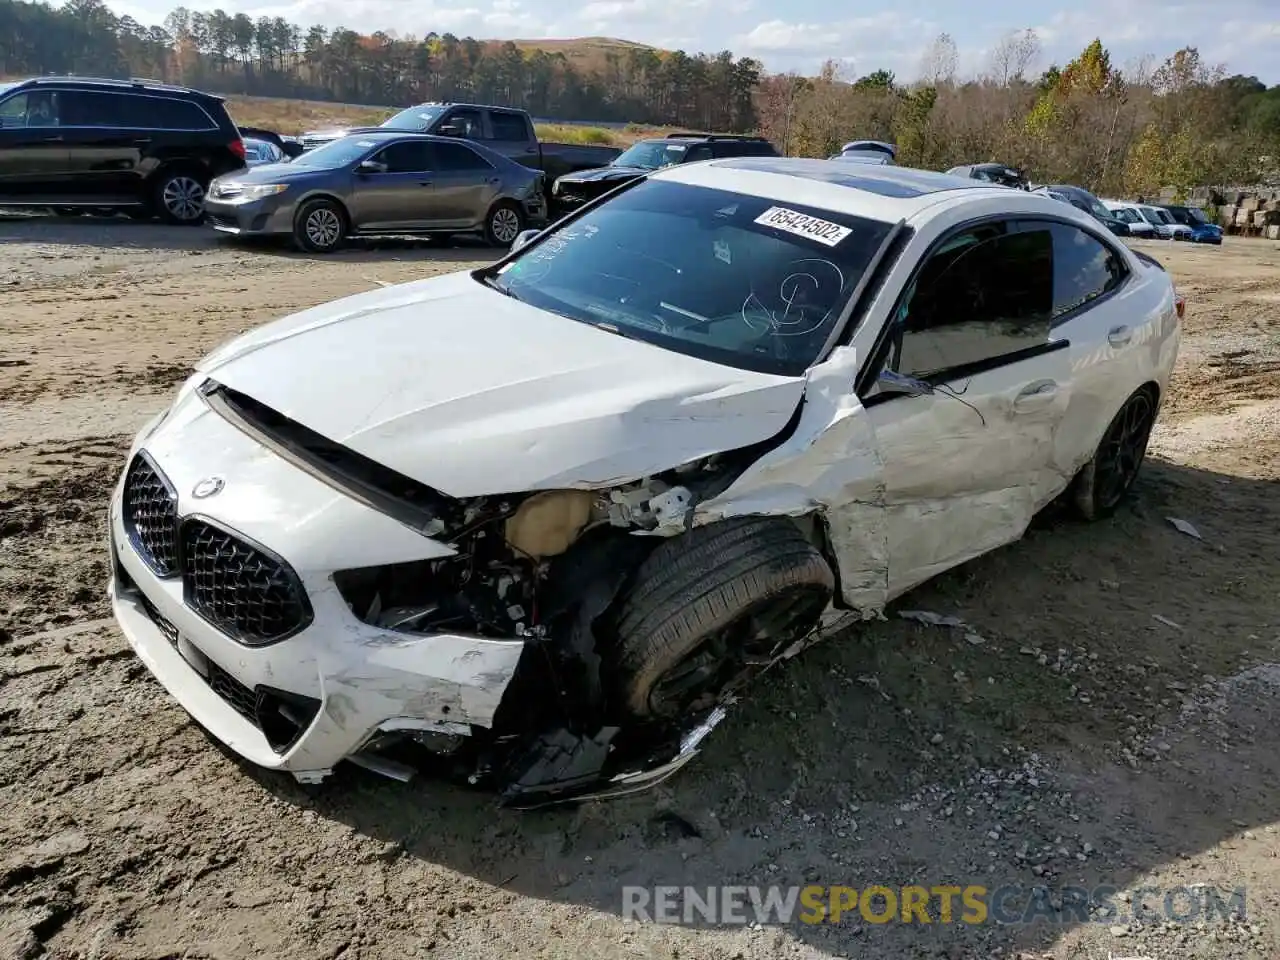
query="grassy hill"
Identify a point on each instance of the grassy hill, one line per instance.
(297, 116)
(586, 53)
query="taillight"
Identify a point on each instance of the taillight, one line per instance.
(236, 146)
(1180, 305)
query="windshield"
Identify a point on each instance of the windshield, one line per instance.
(735, 279)
(415, 118)
(1196, 214)
(1099, 211)
(1150, 216)
(6, 87)
(651, 154)
(336, 153)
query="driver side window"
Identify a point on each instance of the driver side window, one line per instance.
(408, 157)
(36, 109)
(985, 295)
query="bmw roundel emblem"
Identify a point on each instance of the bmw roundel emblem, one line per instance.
(207, 487)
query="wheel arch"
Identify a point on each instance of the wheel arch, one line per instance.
(329, 195)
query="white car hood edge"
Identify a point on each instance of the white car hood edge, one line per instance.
(475, 393)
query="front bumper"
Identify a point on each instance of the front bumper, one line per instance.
(339, 682)
(264, 217)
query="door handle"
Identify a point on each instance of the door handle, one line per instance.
(53, 139)
(141, 141)
(1119, 336)
(424, 183)
(1035, 395)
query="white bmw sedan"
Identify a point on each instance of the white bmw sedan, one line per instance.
(539, 525)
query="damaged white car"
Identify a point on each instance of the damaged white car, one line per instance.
(537, 525)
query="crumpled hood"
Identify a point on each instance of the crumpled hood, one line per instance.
(473, 393)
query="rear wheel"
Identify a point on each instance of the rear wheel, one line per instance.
(504, 224)
(319, 226)
(178, 196)
(710, 609)
(1106, 479)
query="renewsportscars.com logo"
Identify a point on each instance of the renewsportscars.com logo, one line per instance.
(942, 903)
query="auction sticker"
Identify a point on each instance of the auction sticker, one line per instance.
(803, 225)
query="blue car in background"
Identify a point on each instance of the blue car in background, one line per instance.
(1202, 230)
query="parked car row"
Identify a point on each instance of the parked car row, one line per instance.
(145, 148)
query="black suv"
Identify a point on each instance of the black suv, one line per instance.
(140, 146)
(643, 157)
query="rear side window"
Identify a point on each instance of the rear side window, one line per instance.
(985, 294)
(508, 126)
(455, 158)
(176, 114)
(703, 152)
(88, 108)
(1084, 268)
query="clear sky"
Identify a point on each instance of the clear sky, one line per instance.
(800, 34)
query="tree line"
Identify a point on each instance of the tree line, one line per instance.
(272, 57)
(1178, 122)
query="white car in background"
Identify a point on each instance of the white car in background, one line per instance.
(1131, 214)
(545, 521)
(1172, 229)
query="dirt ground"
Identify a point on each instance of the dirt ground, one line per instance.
(1108, 716)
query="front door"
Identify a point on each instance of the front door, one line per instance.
(33, 150)
(968, 464)
(402, 195)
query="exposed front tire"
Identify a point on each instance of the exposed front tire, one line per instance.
(178, 196)
(504, 223)
(710, 608)
(1105, 480)
(319, 226)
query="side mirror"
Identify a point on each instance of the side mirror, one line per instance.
(892, 382)
(522, 238)
(371, 166)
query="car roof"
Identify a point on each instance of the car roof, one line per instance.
(887, 193)
(391, 133)
(136, 84)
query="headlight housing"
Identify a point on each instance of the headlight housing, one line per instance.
(248, 192)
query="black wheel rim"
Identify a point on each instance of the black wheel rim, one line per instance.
(728, 659)
(1122, 449)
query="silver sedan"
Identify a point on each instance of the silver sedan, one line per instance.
(381, 183)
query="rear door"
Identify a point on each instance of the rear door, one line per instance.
(403, 195)
(1111, 321)
(33, 152)
(466, 184)
(968, 465)
(511, 134)
(107, 132)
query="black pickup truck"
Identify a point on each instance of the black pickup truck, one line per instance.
(507, 130)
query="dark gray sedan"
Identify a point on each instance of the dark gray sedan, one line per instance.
(372, 183)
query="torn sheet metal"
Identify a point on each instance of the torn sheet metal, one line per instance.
(831, 464)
